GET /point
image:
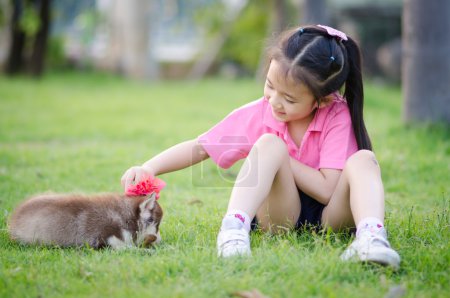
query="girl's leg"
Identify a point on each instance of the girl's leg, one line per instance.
(264, 187)
(359, 193)
(358, 200)
(274, 196)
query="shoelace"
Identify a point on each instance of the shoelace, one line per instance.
(232, 243)
(379, 239)
(372, 239)
(232, 238)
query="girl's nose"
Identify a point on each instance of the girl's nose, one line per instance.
(274, 102)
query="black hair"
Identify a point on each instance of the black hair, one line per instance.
(325, 63)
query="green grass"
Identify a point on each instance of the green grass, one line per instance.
(80, 132)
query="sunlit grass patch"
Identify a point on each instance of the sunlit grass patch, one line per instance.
(80, 132)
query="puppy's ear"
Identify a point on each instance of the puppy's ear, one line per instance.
(149, 202)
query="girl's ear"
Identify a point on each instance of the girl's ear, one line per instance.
(326, 100)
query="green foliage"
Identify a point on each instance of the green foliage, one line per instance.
(55, 53)
(88, 21)
(248, 36)
(29, 21)
(79, 132)
(210, 16)
(250, 33)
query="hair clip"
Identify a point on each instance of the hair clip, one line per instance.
(334, 32)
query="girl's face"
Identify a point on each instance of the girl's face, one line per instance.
(290, 100)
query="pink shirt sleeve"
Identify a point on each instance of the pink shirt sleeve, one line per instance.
(338, 140)
(232, 138)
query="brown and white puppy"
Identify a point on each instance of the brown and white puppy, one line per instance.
(100, 220)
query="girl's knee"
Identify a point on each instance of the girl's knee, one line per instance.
(361, 158)
(271, 142)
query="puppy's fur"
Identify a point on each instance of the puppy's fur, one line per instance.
(101, 220)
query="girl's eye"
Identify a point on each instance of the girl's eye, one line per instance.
(289, 101)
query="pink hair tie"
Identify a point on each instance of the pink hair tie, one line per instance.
(334, 32)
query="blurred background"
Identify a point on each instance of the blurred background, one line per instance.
(192, 39)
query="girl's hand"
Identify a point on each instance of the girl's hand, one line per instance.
(135, 175)
(175, 158)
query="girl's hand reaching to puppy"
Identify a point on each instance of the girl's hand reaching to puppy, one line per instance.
(175, 158)
(136, 175)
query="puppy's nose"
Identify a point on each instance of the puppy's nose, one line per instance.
(148, 240)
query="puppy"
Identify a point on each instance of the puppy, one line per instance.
(114, 220)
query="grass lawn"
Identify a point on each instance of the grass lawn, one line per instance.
(80, 132)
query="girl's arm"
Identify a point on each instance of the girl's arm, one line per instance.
(319, 184)
(175, 158)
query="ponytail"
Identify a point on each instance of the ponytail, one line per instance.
(354, 94)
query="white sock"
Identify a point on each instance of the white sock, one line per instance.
(236, 219)
(372, 225)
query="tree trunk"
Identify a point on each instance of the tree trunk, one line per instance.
(426, 61)
(315, 12)
(278, 23)
(137, 60)
(202, 66)
(15, 57)
(40, 40)
(112, 60)
(279, 18)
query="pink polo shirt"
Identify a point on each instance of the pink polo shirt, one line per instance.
(327, 143)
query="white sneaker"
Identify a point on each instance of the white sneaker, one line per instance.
(233, 242)
(369, 247)
(233, 239)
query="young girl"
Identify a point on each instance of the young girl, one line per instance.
(306, 149)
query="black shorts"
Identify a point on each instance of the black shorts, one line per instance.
(310, 214)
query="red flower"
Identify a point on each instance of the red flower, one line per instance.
(146, 187)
